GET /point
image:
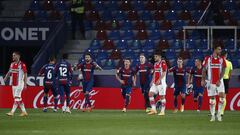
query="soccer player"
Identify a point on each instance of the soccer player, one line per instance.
(18, 73)
(214, 68)
(158, 84)
(179, 74)
(145, 71)
(126, 76)
(226, 78)
(195, 78)
(63, 72)
(49, 82)
(87, 68)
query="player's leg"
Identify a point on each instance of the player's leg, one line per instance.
(175, 94)
(55, 94)
(152, 92)
(18, 96)
(200, 98)
(124, 92)
(226, 86)
(212, 101)
(15, 103)
(45, 98)
(87, 96)
(145, 91)
(221, 94)
(61, 92)
(162, 93)
(127, 98)
(183, 96)
(67, 93)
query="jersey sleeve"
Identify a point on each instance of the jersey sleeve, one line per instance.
(79, 66)
(231, 67)
(24, 68)
(164, 66)
(205, 62)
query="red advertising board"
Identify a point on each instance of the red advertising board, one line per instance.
(106, 98)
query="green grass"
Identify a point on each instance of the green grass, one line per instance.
(114, 122)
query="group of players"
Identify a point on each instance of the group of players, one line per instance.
(58, 78)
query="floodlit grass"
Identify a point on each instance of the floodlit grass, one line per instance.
(114, 122)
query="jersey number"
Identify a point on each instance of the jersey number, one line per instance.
(49, 74)
(63, 71)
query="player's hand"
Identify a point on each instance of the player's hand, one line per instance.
(203, 83)
(134, 84)
(218, 83)
(122, 82)
(158, 82)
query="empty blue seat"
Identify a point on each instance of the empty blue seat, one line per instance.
(153, 25)
(42, 15)
(106, 15)
(120, 16)
(155, 35)
(99, 6)
(128, 35)
(191, 5)
(146, 15)
(114, 35)
(178, 5)
(60, 5)
(179, 24)
(127, 25)
(109, 64)
(190, 44)
(171, 15)
(135, 44)
(230, 44)
(177, 44)
(112, 6)
(168, 35)
(148, 45)
(203, 44)
(35, 5)
(122, 44)
(102, 54)
(138, 5)
(170, 54)
(95, 44)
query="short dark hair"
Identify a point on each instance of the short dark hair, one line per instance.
(142, 54)
(216, 46)
(157, 53)
(88, 54)
(128, 59)
(65, 56)
(52, 58)
(180, 58)
(17, 52)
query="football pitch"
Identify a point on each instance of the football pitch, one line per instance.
(114, 122)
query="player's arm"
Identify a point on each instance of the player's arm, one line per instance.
(7, 75)
(118, 76)
(204, 70)
(41, 72)
(134, 79)
(190, 76)
(25, 75)
(230, 71)
(97, 66)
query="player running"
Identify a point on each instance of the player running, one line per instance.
(214, 68)
(158, 84)
(63, 73)
(195, 78)
(18, 73)
(126, 76)
(179, 74)
(87, 68)
(49, 82)
(145, 71)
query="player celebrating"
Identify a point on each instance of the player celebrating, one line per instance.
(49, 82)
(195, 77)
(18, 73)
(126, 76)
(87, 68)
(145, 70)
(226, 77)
(158, 84)
(179, 74)
(215, 66)
(63, 73)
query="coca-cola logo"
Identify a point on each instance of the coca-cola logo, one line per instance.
(77, 99)
(235, 102)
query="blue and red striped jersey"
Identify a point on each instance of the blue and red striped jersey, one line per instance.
(48, 72)
(145, 72)
(63, 72)
(87, 70)
(179, 75)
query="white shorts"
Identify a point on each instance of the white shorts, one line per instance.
(17, 90)
(213, 90)
(159, 89)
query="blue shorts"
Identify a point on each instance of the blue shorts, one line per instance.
(87, 86)
(52, 88)
(197, 91)
(64, 88)
(145, 88)
(126, 90)
(177, 90)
